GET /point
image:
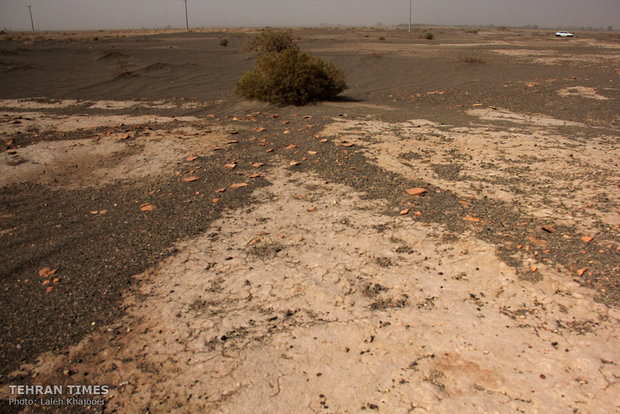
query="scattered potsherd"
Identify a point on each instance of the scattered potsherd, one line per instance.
(404, 212)
(416, 191)
(472, 219)
(581, 271)
(238, 185)
(147, 207)
(587, 239)
(46, 272)
(190, 179)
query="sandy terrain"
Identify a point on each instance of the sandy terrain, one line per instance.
(442, 239)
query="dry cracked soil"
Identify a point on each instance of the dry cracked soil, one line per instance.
(443, 238)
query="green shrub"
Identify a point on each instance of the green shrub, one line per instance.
(270, 40)
(428, 36)
(382, 39)
(224, 42)
(291, 77)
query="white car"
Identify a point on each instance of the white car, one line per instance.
(563, 33)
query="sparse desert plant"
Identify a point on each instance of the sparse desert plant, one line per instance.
(291, 77)
(428, 36)
(472, 60)
(224, 42)
(270, 40)
(381, 38)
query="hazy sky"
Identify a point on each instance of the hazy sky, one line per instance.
(125, 14)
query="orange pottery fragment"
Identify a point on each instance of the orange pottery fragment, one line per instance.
(416, 191)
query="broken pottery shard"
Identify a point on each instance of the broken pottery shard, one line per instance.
(238, 185)
(470, 218)
(147, 207)
(46, 272)
(537, 241)
(587, 239)
(190, 179)
(416, 191)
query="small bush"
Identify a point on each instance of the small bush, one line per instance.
(473, 60)
(291, 77)
(382, 39)
(224, 42)
(428, 36)
(270, 40)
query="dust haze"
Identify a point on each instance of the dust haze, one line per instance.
(118, 14)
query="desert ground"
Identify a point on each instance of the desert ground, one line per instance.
(443, 238)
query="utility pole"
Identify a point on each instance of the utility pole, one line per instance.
(186, 19)
(409, 16)
(31, 21)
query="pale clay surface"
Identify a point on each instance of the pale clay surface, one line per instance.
(277, 308)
